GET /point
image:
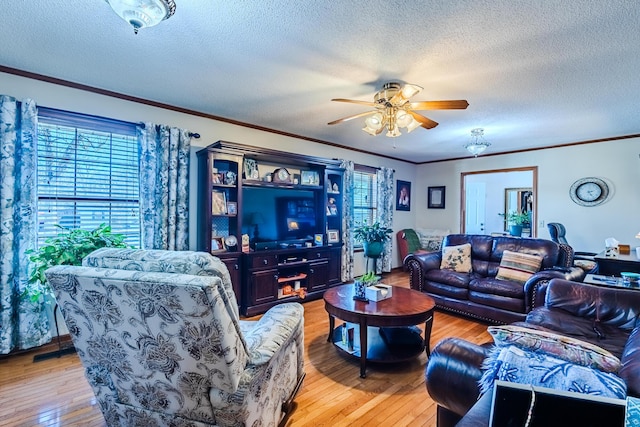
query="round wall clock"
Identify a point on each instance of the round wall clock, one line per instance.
(589, 191)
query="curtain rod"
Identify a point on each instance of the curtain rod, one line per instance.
(191, 134)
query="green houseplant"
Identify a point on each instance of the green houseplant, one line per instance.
(516, 221)
(372, 238)
(69, 247)
(362, 283)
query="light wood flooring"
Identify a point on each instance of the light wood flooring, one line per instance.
(54, 392)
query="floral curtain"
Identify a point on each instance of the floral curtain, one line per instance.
(164, 187)
(384, 177)
(23, 323)
(347, 220)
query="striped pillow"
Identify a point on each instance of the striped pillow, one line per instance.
(518, 267)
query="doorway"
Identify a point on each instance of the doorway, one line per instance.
(486, 199)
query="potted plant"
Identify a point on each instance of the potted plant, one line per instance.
(69, 247)
(361, 284)
(516, 221)
(372, 238)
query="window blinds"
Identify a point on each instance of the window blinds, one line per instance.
(87, 174)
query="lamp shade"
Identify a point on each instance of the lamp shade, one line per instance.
(143, 13)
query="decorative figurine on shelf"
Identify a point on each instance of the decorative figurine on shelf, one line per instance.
(335, 188)
(215, 176)
(332, 209)
(230, 178)
(245, 243)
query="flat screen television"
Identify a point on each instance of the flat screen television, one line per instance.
(282, 214)
(296, 218)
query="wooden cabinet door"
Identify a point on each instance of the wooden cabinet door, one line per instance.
(335, 266)
(318, 275)
(233, 265)
(263, 286)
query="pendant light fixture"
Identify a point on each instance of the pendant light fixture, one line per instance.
(478, 144)
(143, 13)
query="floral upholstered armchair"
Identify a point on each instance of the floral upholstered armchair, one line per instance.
(161, 341)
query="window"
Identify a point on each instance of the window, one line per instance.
(87, 174)
(365, 200)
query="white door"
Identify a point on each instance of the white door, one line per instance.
(475, 208)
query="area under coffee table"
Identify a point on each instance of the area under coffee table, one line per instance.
(395, 316)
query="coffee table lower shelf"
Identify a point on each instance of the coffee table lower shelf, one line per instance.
(377, 349)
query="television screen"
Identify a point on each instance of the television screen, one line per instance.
(298, 217)
(280, 214)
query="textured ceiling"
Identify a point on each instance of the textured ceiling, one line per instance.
(535, 73)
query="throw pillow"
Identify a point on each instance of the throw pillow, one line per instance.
(518, 267)
(527, 367)
(560, 346)
(431, 239)
(457, 258)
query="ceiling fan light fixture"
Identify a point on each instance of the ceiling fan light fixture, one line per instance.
(410, 90)
(393, 132)
(403, 119)
(371, 131)
(143, 13)
(394, 111)
(374, 121)
(413, 125)
(478, 144)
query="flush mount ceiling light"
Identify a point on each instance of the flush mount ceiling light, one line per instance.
(143, 13)
(478, 144)
(394, 111)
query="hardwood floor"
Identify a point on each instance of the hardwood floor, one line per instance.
(55, 392)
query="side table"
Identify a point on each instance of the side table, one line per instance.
(613, 266)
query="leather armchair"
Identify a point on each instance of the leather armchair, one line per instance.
(585, 260)
(162, 344)
(605, 316)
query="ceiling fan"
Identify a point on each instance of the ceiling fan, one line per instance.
(393, 110)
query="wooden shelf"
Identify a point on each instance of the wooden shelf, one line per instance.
(292, 278)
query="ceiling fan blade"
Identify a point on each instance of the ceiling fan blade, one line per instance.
(424, 122)
(439, 105)
(355, 116)
(354, 101)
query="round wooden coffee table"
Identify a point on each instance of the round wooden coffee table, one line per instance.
(383, 331)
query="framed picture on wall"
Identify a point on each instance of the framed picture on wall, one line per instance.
(403, 195)
(435, 198)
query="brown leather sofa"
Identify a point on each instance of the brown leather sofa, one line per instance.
(608, 317)
(479, 294)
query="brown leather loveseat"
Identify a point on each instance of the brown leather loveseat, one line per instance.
(608, 317)
(479, 294)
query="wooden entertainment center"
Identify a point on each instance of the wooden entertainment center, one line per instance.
(274, 218)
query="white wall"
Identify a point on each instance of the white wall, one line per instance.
(616, 162)
(64, 98)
